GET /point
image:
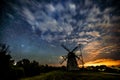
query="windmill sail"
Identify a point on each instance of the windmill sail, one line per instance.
(71, 59)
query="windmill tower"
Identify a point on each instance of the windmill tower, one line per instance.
(72, 58)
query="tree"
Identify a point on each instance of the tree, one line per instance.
(5, 60)
(30, 68)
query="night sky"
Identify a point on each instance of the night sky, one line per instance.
(35, 29)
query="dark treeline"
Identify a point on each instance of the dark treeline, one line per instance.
(26, 68)
(103, 68)
(23, 68)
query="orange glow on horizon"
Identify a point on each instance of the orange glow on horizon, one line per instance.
(107, 62)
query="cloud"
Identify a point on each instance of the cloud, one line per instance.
(10, 15)
(72, 6)
(59, 16)
(59, 7)
(82, 33)
(28, 14)
(93, 33)
(44, 20)
(115, 18)
(51, 7)
(104, 48)
(88, 2)
(56, 18)
(69, 22)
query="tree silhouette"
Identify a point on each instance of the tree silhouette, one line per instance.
(30, 68)
(5, 60)
(35, 68)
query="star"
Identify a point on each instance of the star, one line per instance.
(22, 45)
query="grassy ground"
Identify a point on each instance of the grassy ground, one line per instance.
(59, 75)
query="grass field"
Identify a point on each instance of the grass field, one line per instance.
(61, 75)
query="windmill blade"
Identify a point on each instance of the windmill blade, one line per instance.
(77, 57)
(65, 48)
(74, 49)
(63, 60)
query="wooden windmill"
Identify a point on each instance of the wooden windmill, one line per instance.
(71, 58)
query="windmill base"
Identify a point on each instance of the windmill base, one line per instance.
(72, 68)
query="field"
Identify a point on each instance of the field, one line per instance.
(61, 75)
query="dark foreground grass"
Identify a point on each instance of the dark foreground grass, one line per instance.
(61, 75)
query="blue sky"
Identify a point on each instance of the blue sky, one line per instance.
(35, 29)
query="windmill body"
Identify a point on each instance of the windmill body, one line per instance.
(71, 59)
(71, 62)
